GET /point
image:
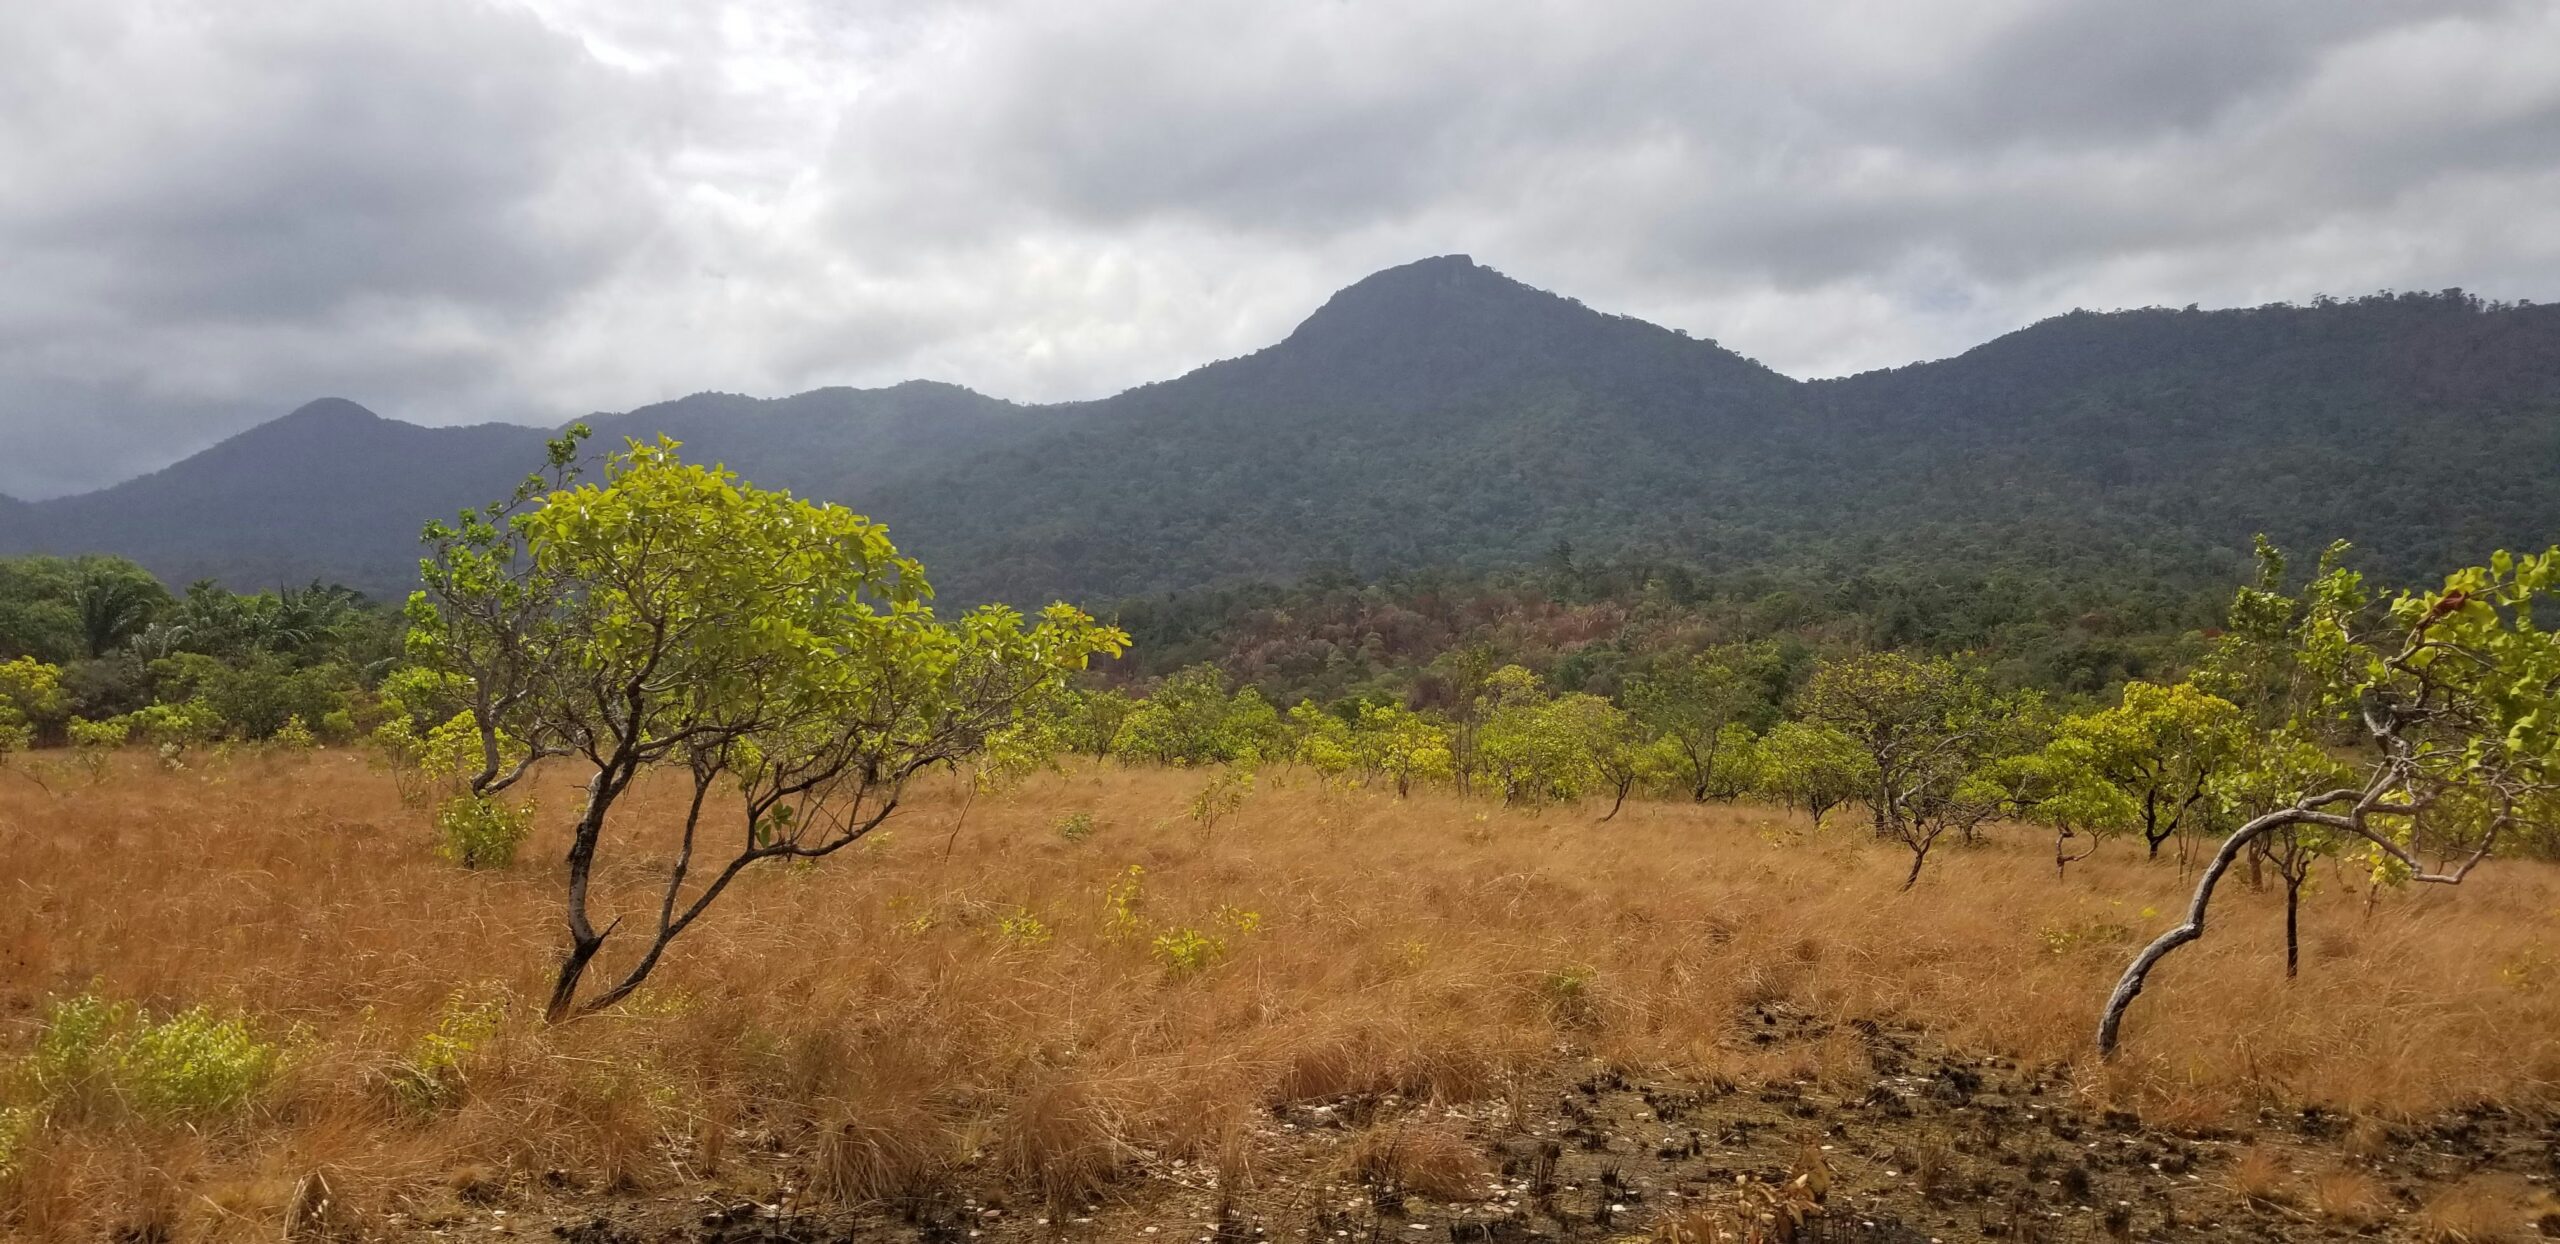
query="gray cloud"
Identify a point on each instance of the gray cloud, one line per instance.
(526, 209)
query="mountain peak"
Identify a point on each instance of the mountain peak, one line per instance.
(1446, 296)
(333, 411)
(1441, 280)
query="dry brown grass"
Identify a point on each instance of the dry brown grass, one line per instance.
(1432, 1160)
(874, 1017)
(2350, 1198)
(2258, 1176)
(2486, 1210)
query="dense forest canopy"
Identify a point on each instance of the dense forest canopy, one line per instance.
(1440, 417)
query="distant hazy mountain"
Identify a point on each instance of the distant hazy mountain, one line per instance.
(1440, 413)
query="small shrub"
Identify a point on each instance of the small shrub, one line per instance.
(105, 735)
(1120, 904)
(17, 1127)
(1221, 798)
(96, 1054)
(1567, 993)
(1185, 951)
(194, 1065)
(477, 832)
(294, 735)
(76, 1055)
(1023, 929)
(94, 743)
(177, 726)
(432, 1077)
(1075, 826)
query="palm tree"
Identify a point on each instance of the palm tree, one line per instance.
(115, 600)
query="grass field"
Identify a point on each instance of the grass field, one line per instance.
(1077, 1010)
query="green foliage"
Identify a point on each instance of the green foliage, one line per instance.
(1075, 826)
(1123, 905)
(96, 1055)
(94, 742)
(62, 610)
(1568, 994)
(1700, 702)
(294, 735)
(479, 831)
(1812, 768)
(783, 652)
(2415, 730)
(433, 1074)
(1923, 724)
(1221, 797)
(177, 726)
(31, 701)
(253, 694)
(1530, 748)
(1401, 745)
(1023, 929)
(1193, 719)
(17, 1127)
(1092, 718)
(2151, 764)
(1184, 951)
(1323, 740)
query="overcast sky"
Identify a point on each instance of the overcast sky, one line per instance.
(456, 210)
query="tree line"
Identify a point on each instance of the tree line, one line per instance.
(785, 659)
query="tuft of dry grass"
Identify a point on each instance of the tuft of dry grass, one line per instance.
(2258, 1176)
(1435, 1161)
(2481, 1210)
(2350, 1198)
(881, 1018)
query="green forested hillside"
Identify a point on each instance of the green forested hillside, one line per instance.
(1440, 415)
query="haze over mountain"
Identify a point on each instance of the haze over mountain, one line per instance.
(1439, 413)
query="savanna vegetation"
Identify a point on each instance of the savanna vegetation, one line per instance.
(669, 863)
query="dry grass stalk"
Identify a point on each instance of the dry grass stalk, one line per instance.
(879, 1011)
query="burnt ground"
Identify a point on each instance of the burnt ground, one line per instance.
(1935, 1147)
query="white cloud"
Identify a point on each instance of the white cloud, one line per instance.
(470, 209)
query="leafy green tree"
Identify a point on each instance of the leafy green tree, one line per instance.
(1320, 740)
(2163, 749)
(31, 702)
(1398, 743)
(115, 600)
(2056, 787)
(2449, 694)
(1622, 754)
(254, 693)
(66, 609)
(1812, 768)
(1094, 716)
(1736, 769)
(776, 650)
(1693, 700)
(1925, 726)
(1191, 719)
(1538, 748)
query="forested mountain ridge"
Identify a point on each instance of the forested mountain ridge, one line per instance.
(1440, 414)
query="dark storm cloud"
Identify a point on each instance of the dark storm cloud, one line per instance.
(527, 208)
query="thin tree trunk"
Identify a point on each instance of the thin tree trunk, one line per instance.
(2137, 973)
(584, 940)
(2292, 926)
